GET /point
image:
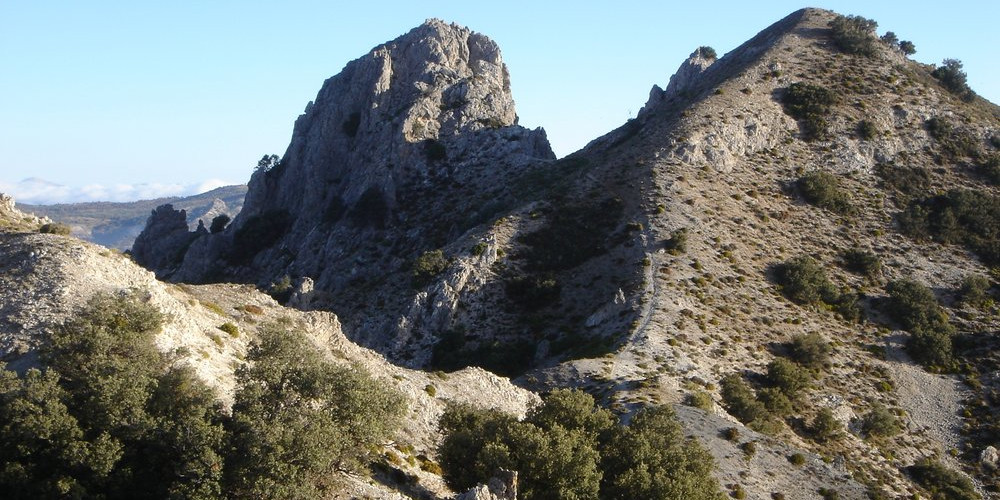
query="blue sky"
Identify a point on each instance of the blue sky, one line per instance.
(122, 100)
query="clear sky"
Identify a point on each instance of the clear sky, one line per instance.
(120, 100)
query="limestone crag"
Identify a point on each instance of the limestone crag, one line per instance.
(162, 243)
(411, 146)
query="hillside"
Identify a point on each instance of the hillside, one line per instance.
(115, 225)
(794, 246)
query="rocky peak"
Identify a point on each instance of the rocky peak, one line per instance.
(161, 244)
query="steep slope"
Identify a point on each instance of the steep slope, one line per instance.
(45, 279)
(720, 159)
(646, 267)
(116, 225)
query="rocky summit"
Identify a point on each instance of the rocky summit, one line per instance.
(793, 244)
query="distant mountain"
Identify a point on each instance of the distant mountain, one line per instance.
(116, 225)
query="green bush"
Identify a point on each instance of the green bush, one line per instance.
(55, 228)
(677, 244)
(823, 190)
(880, 422)
(941, 482)
(298, 417)
(855, 35)
(569, 448)
(907, 47)
(707, 52)
(967, 217)
(804, 281)
(107, 417)
(953, 79)
(905, 182)
(974, 291)
(811, 104)
(700, 399)
(989, 166)
(810, 350)
(788, 377)
(825, 427)
(740, 401)
(863, 262)
(867, 130)
(231, 329)
(797, 459)
(954, 143)
(428, 266)
(916, 309)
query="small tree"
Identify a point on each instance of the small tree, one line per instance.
(952, 77)
(855, 35)
(803, 280)
(880, 422)
(823, 190)
(707, 52)
(825, 427)
(907, 47)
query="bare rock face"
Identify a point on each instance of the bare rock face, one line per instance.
(684, 79)
(164, 240)
(410, 146)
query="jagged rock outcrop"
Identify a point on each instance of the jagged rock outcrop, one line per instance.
(12, 219)
(162, 244)
(683, 80)
(411, 145)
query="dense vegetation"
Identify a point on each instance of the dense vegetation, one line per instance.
(811, 104)
(967, 217)
(855, 35)
(107, 416)
(916, 309)
(568, 448)
(823, 190)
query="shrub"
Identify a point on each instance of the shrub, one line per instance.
(706, 52)
(953, 79)
(907, 182)
(777, 402)
(810, 350)
(811, 104)
(855, 35)
(880, 422)
(954, 143)
(825, 427)
(804, 281)
(700, 399)
(297, 417)
(907, 47)
(867, 130)
(790, 378)
(797, 459)
(941, 482)
(917, 310)
(230, 328)
(430, 390)
(55, 228)
(731, 434)
(966, 217)
(823, 190)
(740, 401)
(428, 266)
(863, 262)
(677, 244)
(219, 223)
(989, 166)
(974, 291)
